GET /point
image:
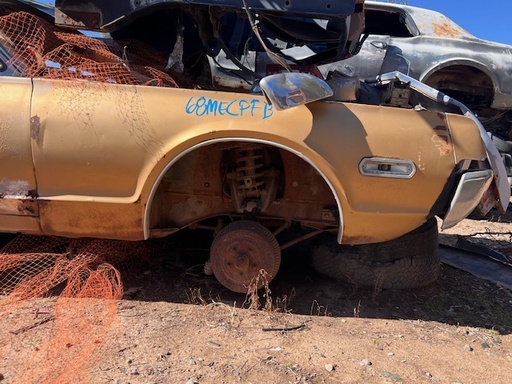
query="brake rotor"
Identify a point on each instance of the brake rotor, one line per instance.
(240, 251)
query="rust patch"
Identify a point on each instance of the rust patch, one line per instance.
(445, 29)
(488, 200)
(442, 140)
(18, 207)
(35, 127)
(357, 240)
(28, 207)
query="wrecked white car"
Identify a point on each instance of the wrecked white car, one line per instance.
(430, 47)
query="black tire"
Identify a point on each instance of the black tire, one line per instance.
(502, 145)
(409, 261)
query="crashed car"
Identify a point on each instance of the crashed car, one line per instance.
(212, 115)
(430, 47)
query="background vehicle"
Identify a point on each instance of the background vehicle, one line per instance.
(433, 49)
(141, 135)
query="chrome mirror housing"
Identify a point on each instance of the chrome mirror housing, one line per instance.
(287, 90)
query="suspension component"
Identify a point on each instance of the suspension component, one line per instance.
(252, 182)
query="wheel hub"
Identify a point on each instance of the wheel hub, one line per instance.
(240, 251)
(242, 262)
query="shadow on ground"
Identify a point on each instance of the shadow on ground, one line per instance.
(175, 274)
(457, 298)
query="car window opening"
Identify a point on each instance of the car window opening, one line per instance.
(386, 23)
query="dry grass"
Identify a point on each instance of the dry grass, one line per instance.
(252, 298)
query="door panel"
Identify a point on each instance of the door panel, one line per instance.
(93, 139)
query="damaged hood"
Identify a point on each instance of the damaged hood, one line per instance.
(304, 31)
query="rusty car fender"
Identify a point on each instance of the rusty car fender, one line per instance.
(424, 76)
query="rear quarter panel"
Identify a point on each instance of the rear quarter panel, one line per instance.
(377, 208)
(101, 148)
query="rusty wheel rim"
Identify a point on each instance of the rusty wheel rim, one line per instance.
(240, 251)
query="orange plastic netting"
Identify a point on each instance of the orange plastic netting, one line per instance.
(85, 274)
(39, 49)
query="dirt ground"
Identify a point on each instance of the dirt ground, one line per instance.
(176, 325)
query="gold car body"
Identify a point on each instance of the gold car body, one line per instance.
(89, 159)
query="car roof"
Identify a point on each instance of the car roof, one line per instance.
(427, 22)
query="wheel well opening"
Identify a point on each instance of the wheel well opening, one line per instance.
(242, 180)
(467, 84)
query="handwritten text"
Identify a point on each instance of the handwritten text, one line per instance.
(203, 106)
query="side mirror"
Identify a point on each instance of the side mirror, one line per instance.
(287, 90)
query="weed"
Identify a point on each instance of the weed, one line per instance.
(282, 303)
(194, 297)
(320, 309)
(252, 298)
(357, 309)
(379, 281)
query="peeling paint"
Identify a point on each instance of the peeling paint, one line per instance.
(35, 127)
(446, 29)
(18, 207)
(436, 24)
(28, 207)
(442, 140)
(14, 188)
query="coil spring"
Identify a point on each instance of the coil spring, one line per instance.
(248, 174)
